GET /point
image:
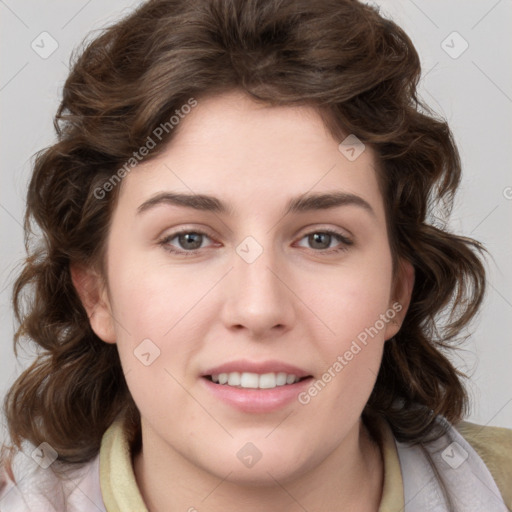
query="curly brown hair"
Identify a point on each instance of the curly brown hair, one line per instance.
(359, 70)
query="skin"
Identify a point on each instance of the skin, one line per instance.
(295, 303)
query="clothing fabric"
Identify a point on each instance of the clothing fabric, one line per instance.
(468, 469)
(447, 474)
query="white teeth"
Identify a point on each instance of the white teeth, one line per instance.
(290, 379)
(255, 380)
(249, 380)
(234, 379)
(268, 380)
(281, 379)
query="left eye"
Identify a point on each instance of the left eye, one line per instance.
(190, 242)
(322, 240)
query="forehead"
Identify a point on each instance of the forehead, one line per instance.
(232, 146)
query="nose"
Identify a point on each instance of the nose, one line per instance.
(260, 298)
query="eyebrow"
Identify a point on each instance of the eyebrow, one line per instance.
(303, 203)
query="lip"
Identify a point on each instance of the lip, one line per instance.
(250, 400)
(244, 365)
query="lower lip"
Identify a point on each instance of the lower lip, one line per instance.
(257, 400)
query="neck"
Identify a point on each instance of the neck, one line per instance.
(352, 475)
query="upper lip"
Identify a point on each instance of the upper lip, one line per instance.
(271, 366)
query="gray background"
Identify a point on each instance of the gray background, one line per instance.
(471, 89)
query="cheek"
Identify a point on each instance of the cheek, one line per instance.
(151, 298)
(355, 297)
(150, 311)
(351, 355)
(356, 307)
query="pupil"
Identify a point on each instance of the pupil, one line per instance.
(317, 238)
(188, 238)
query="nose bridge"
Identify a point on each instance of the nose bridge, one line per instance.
(259, 299)
(253, 270)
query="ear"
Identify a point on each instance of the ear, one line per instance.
(400, 297)
(92, 291)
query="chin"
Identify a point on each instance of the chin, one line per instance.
(252, 467)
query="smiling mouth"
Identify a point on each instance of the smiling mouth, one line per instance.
(249, 380)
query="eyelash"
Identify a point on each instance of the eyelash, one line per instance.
(345, 242)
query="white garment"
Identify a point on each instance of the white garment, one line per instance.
(43, 490)
(450, 466)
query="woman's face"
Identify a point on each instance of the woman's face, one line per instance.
(255, 288)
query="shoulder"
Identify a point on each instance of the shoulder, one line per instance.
(494, 446)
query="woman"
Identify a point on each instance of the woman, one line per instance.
(237, 293)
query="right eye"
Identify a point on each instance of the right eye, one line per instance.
(190, 241)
